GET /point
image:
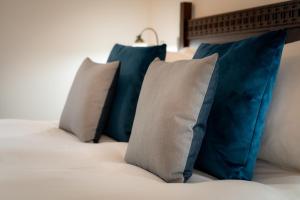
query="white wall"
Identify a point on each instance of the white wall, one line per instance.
(165, 19)
(42, 43)
(212, 7)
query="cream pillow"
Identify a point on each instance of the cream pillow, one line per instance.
(281, 141)
(171, 117)
(87, 98)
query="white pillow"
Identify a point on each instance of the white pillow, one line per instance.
(87, 98)
(184, 54)
(281, 141)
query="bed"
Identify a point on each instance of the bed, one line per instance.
(40, 161)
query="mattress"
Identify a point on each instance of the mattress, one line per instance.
(40, 161)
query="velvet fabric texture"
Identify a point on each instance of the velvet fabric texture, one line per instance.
(134, 62)
(247, 70)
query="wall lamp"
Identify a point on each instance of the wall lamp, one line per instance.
(141, 42)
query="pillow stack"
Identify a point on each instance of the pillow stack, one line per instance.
(103, 97)
(206, 113)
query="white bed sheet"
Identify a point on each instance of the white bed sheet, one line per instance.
(39, 161)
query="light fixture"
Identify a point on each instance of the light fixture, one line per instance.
(141, 42)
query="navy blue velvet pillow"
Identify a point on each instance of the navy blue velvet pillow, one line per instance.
(134, 62)
(235, 125)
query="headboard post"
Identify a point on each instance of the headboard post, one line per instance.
(185, 16)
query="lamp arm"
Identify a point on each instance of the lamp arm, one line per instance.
(153, 30)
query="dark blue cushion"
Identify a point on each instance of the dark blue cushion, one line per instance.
(247, 72)
(134, 62)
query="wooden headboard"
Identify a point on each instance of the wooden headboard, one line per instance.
(240, 24)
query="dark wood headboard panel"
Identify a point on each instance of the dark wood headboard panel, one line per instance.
(285, 15)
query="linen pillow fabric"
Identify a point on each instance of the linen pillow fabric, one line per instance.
(134, 62)
(235, 125)
(171, 117)
(281, 141)
(86, 99)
